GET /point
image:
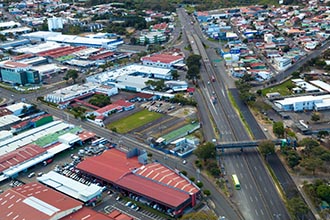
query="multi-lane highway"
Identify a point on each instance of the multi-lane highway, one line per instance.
(258, 198)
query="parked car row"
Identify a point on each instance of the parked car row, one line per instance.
(16, 183)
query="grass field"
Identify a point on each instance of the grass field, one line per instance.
(134, 121)
(282, 88)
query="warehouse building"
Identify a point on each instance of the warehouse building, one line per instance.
(150, 182)
(304, 103)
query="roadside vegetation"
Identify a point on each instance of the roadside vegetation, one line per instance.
(319, 192)
(206, 154)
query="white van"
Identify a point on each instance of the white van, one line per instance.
(31, 175)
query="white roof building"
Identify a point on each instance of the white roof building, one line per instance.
(8, 120)
(302, 103)
(324, 86)
(9, 24)
(69, 138)
(17, 108)
(47, 69)
(70, 186)
(134, 69)
(34, 49)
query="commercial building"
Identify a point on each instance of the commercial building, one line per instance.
(34, 201)
(162, 60)
(71, 187)
(282, 63)
(73, 40)
(9, 24)
(18, 73)
(151, 182)
(303, 103)
(152, 38)
(55, 23)
(69, 93)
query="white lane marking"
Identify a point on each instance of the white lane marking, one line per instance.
(251, 199)
(262, 213)
(256, 212)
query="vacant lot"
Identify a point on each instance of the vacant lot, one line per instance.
(134, 121)
(283, 88)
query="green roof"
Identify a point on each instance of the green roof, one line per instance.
(52, 138)
(181, 132)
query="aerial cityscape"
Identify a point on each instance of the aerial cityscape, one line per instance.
(161, 110)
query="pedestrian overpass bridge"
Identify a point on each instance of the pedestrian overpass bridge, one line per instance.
(244, 144)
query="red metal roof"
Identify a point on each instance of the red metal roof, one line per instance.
(162, 58)
(160, 173)
(40, 117)
(87, 214)
(21, 124)
(155, 191)
(62, 51)
(85, 135)
(101, 55)
(34, 201)
(11, 64)
(123, 103)
(160, 26)
(110, 166)
(23, 56)
(108, 108)
(4, 111)
(20, 155)
(117, 215)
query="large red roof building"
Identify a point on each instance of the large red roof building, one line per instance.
(35, 201)
(154, 182)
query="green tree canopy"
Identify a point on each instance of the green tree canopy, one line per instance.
(193, 60)
(323, 191)
(315, 117)
(309, 144)
(266, 147)
(100, 100)
(278, 129)
(311, 164)
(293, 159)
(193, 72)
(71, 74)
(206, 151)
(297, 207)
(157, 85)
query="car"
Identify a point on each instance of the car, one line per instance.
(40, 174)
(31, 175)
(137, 208)
(128, 204)
(184, 162)
(118, 198)
(133, 206)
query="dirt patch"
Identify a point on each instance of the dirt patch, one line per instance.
(183, 112)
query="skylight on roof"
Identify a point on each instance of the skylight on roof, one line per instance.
(41, 205)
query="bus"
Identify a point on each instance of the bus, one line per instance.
(236, 182)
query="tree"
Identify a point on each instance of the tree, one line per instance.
(206, 151)
(71, 74)
(297, 207)
(2, 37)
(311, 164)
(266, 147)
(309, 144)
(293, 159)
(315, 117)
(193, 60)
(157, 85)
(199, 184)
(322, 134)
(278, 129)
(323, 191)
(206, 192)
(100, 100)
(193, 72)
(175, 74)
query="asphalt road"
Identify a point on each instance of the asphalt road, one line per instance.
(253, 199)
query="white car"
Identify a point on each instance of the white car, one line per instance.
(184, 162)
